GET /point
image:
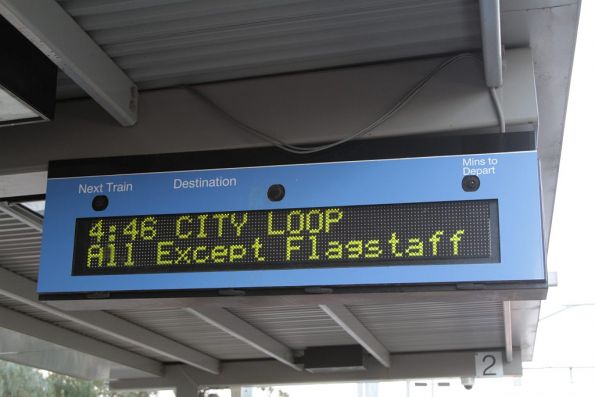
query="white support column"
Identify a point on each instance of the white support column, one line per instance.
(245, 332)
(56, 34)
(354, 327)
(24, 290)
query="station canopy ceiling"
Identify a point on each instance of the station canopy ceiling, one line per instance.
(163, 44)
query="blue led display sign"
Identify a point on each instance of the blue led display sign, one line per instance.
(365, 223)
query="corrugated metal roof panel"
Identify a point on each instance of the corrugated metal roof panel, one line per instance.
(60, 322)
(165, 43)
(19, 247)
(110, 339)
(191, 331)
(295, 326)
(434, 326)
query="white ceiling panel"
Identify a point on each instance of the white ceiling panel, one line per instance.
(19, 247)
(165, 43)
(436, 326)
(187, 329)
(296, 326)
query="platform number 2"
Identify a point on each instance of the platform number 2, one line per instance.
(488, 365)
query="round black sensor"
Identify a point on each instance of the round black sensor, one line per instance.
(276, 192)
(100, 203)
(470, 183)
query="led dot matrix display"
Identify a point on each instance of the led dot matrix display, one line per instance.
(370, 235)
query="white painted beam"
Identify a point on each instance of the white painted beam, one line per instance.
(24, 290)
(27, 217)
(56, 34)
(27, 325)
(23, 184)
(240, 329)
(132, 333)
(354, 327)
(270, 372)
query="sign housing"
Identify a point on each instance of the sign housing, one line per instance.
(453, 210)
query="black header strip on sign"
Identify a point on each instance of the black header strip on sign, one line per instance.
(366, 149)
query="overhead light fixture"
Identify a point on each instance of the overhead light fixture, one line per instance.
(27, 80)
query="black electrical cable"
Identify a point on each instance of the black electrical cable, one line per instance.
(404, 100)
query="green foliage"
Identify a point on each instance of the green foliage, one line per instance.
(21, 381)
(64, 386)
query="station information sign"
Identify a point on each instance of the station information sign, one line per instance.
(237, 220)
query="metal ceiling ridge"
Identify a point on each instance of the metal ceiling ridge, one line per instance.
(263, 9)
(284, 43)
(257, 66)
(195, 332)
(187, 26)
(161, 44)
(97, 7)
(242, 36)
